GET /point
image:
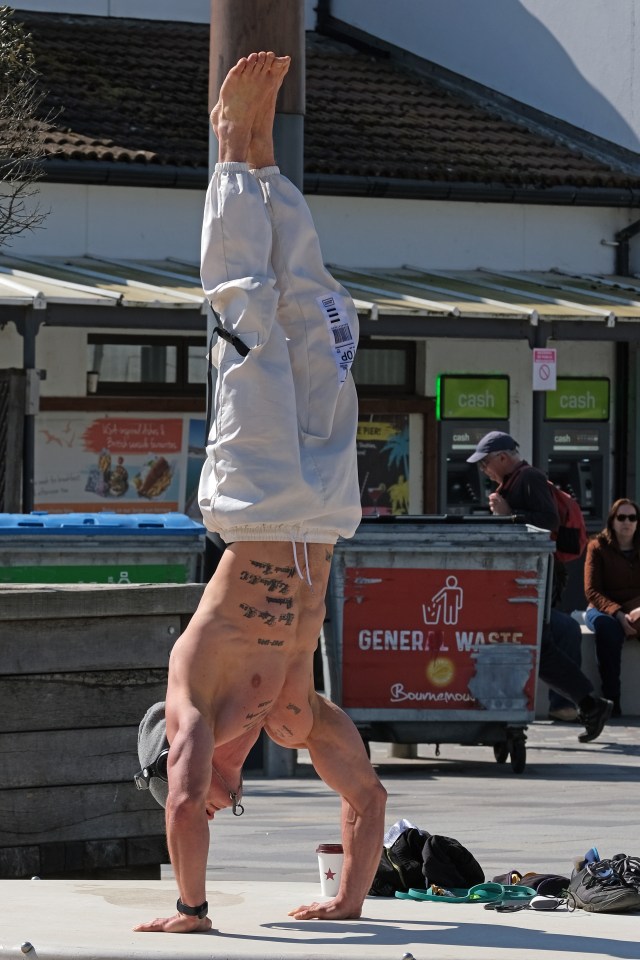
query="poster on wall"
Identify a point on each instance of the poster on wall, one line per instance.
(440, 639)
(383, 464)
(91, 463)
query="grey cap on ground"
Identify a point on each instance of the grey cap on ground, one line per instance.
(152, 740)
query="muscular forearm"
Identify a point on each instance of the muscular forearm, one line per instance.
(188, 843)
(338, 755)
(362, 836)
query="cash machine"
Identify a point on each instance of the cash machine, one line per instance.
(467, 407)
(575, 444)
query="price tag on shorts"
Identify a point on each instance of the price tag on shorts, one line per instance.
(337, 318)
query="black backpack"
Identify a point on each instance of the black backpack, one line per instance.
(418, 859)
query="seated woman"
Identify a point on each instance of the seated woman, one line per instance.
(612, 589)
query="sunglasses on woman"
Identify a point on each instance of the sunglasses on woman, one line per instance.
(631, 517)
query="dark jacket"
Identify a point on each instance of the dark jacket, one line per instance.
(610, 578)
(528, 494)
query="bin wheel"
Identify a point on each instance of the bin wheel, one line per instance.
(518, 756)
(501, 751)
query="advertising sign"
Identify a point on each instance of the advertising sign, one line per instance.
(89, 462)
(439, 639)
(383, 464)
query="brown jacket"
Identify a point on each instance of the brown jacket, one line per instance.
(611, 580)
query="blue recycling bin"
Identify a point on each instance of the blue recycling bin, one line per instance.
(105, 547)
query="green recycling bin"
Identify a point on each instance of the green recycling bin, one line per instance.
(100, 548)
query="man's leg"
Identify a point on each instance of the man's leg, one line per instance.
(560, 672)
(252, 476)
(320, 323)
(568, 638)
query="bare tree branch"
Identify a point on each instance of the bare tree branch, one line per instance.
(22, 145)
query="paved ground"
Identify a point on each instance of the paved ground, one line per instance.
(570, 797)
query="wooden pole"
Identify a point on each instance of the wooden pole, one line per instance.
(239, 27)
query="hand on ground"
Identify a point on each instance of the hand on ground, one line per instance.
(330, 910)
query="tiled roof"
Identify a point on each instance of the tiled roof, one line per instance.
(135, 92)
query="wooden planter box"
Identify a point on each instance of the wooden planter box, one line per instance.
(79, 665)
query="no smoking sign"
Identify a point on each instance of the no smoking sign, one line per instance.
(544, 369)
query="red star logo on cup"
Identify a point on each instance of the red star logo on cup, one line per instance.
(329, 874)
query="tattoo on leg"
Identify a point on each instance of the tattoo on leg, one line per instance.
(286, 618)
(256, 680)
(328, 556)
(265, 703)
(293, 708)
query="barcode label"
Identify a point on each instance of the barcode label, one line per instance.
(342, 334)
(336, 315)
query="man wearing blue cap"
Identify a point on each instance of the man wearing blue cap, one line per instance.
(523, 491)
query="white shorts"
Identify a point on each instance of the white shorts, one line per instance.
(281, 454)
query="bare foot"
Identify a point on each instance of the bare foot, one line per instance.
(246, 88)
(261, 146)
(329, 910)
(179, 923)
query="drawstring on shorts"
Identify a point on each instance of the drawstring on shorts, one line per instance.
(306, 561)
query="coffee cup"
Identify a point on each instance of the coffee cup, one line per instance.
(330, 857)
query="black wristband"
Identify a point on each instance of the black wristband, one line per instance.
(199, 912)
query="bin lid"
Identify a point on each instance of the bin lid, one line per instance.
(104, 523)
(438, 519)
(466, 533)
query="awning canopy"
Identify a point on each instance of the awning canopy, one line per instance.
(401, 302)
(476, 303)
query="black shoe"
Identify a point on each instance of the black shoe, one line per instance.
(595, 719)
(598, 889)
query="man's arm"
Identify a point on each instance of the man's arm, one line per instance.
(189, 771)
(338, 755)
(531, 498)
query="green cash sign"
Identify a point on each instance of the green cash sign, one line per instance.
(472, 398)
(578, 398)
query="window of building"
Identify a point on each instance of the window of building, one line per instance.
(147, 365)
(385, 367)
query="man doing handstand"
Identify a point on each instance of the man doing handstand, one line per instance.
(279, 485)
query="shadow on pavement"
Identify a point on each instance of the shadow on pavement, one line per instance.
(436, 933)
